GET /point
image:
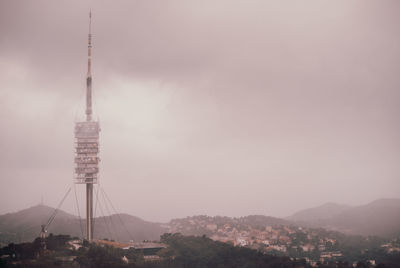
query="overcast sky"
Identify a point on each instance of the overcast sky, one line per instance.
(206, 107)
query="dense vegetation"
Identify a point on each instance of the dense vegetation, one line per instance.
(203, 252)
(182, 252)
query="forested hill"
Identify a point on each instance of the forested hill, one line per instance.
(326, 211)
(24, 226)
(380, 217)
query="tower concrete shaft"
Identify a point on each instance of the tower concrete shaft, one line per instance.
(89, 211)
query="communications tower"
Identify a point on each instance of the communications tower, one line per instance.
(87, 146)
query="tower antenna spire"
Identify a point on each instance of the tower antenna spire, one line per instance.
(89, 73)
(87, 146)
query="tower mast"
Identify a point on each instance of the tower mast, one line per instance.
(89, 186)
(87, 146)
(89, 74)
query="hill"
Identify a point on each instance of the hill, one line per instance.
(124, 227)
(323, 212)
(25, 225)
(380, 218)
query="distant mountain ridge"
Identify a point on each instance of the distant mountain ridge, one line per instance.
(25, 225)
(380, 218)
(325, 211)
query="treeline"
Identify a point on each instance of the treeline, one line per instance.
(191, 251)
(182, 252)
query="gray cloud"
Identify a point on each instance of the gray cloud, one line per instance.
(232, 108)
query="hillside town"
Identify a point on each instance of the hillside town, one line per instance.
(262, 233)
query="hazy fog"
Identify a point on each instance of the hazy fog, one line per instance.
(206, 107)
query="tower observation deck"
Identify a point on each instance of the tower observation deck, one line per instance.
(87, 146)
